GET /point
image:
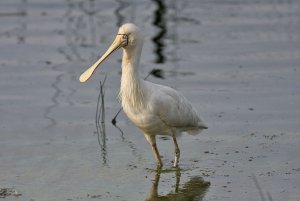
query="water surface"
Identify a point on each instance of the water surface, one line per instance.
(236, 61)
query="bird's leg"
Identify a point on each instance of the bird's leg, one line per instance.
(177, 152)
(152, 141)
(157, 156)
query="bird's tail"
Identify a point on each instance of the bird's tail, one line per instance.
(197, 130)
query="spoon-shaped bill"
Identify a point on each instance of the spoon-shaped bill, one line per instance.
(89, 72)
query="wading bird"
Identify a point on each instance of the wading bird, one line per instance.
(154, 109)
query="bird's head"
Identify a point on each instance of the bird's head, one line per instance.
(128, 37)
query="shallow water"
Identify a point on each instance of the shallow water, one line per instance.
(236, 61)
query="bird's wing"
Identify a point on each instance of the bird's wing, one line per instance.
(174, 109)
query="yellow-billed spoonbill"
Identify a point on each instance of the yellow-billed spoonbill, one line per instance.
(155, 109)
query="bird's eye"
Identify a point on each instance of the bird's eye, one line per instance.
(124, 36)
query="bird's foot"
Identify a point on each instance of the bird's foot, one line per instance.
(159, 165)
(175, 162)
(176, 158)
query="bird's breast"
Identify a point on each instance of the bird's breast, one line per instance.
(146, 120)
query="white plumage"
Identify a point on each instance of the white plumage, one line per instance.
(155, 109)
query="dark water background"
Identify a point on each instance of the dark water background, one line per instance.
(237, 61)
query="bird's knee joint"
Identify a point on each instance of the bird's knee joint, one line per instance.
(177, 152)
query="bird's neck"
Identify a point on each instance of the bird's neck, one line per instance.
(132, 87)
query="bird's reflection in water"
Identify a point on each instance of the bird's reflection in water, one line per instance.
(194, 189)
